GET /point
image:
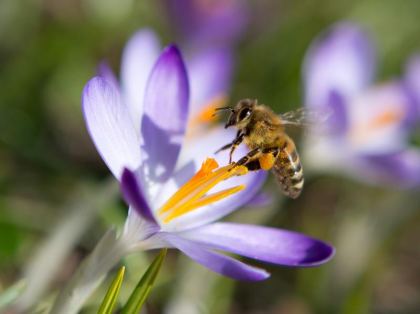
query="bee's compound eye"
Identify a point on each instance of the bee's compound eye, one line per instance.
(244, 114)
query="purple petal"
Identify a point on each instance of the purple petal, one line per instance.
(139, 56)
(203, 23)
(338, 120)
(106, 73)
(396, 169)
(342, 59)
(165, 115)
(133, 195)
(262, 199)
(109, 124)
(218, 263)
(412, 82)
(262, 243)
(210, 71)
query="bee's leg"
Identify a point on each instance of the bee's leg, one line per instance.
(259, 158)
(274, 150)
(223, 148)
(235, 143)
(250, 157)
(253, 165)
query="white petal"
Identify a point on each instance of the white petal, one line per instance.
(110, 126)
(376, 120)
(139, 56)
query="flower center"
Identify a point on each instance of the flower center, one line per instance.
(386, 118)
(193, 194)
(206, 114)
(380, 122)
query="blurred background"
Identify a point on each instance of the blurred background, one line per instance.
(53, 184)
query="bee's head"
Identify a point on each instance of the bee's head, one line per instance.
(240, 115)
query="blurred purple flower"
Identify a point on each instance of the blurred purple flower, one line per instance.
(141, 126)
(208, 23)
(369, 127)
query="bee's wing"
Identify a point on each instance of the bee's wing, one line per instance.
(305, 117)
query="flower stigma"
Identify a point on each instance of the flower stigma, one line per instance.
(192, 194)
(206, 113)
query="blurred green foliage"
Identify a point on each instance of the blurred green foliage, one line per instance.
(49, 49)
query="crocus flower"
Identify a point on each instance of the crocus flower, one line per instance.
(171, 207)
(208, 23)
(368, 130)
(210, 72)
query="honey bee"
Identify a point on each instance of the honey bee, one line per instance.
(263, 131)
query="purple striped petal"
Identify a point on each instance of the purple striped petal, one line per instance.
(137, 229)
(262, 243)
(218, 263)
(139, 56)
(109, 124)
(134, 196)
(396, 169)
(342, 59)
(165, 115)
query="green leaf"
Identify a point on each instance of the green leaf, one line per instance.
(110, 298)
(9, 295)
(140, 293)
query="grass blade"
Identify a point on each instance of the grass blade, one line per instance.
(143, 288)
(110, 298)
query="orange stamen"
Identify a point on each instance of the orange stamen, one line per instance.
(192, 194)
(206, 200)
(206, 169)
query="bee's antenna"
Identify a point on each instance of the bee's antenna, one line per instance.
(228, 108)
(224, 108)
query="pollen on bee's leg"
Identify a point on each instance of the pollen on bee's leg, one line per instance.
(192, 194)
(267, 161)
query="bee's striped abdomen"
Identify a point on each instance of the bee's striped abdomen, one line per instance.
(288, 169)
